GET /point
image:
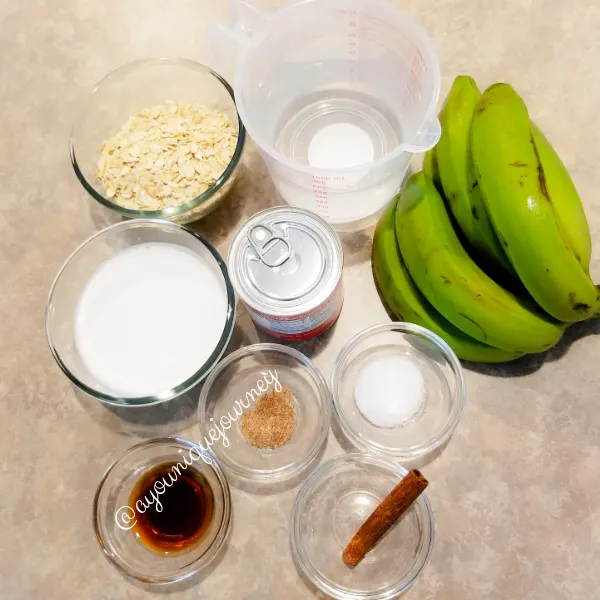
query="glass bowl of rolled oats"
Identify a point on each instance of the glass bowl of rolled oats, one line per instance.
(159, 138)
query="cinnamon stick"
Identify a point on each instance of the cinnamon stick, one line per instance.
(393, 506)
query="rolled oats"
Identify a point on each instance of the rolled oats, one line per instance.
(166, 155)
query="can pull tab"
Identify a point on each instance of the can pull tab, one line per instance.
(268, 246)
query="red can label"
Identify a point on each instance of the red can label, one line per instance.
(302, 326)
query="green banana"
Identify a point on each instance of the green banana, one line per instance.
(431, 168)
(566, 202)
(408, 304)
(459, 183)
(455, 285)
(517, 197)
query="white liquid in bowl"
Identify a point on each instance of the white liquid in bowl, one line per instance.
(150, 317)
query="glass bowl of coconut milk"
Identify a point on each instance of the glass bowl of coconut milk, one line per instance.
(140, 313)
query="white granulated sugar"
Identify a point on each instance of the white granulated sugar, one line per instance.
(389, 390)
(340, 146)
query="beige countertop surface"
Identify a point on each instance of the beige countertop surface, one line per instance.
(515, 494)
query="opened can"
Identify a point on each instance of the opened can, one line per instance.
(286, 264)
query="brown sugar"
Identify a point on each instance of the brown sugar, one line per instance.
(272, 420)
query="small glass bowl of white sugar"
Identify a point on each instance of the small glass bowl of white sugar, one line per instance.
(398, 391)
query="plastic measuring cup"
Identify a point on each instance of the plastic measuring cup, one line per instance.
(337, 94)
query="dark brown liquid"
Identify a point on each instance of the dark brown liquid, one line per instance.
(187, 508)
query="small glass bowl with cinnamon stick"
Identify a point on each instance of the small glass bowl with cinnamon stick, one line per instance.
(330, 521)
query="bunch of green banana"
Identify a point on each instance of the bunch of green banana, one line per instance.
(533, 206)
(453, 283)
(407, 303)
(495, 183)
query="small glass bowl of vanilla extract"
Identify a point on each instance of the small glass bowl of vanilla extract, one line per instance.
(162, 512)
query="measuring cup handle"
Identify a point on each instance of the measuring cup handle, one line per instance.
(223, 48)
(247, 23)
(248, 18)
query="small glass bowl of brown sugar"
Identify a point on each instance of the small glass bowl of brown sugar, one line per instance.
(264, 411)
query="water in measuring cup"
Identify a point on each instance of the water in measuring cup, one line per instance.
(337, 129)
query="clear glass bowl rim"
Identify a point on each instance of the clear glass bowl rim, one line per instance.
(173, 211)
(299, 554)
(458, 397)
(212, 550)
(194, 379)
(269, 475)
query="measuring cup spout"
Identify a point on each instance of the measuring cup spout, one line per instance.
(427, 138)
(247, 25)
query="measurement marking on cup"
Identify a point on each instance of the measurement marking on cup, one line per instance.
(320, 187)
(352, 45)
(417, 66)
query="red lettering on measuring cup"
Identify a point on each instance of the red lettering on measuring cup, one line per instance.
(352, 47)
(320, 189)
(416, 66)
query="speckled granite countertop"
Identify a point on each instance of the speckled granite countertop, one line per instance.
(515, 495)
